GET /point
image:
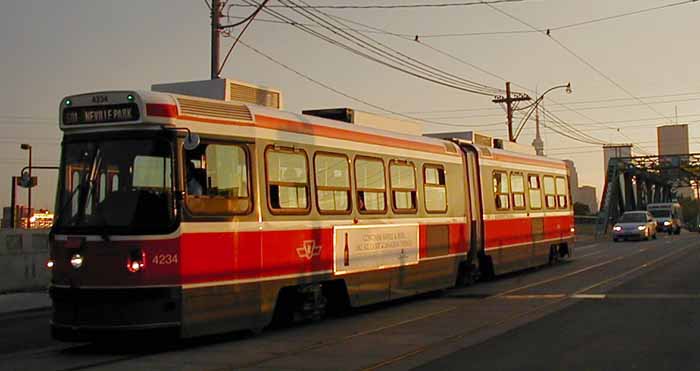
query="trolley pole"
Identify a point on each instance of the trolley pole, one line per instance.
(509, 100)
(215, 37)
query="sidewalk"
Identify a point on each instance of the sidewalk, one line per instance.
(23, 301)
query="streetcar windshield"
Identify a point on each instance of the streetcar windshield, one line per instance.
(118, 185)
(661, 213)
(633, 218)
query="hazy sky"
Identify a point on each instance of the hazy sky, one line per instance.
(53, 48)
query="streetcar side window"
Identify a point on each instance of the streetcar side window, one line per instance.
(371, 185)
(535, 191)
(550, 193)
(500, 190)
(435, 189)
(287, 180)
(517, 188)
(332, 183)
(217, 180)
(561, 192)
(402, 176)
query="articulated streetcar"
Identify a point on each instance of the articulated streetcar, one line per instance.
(201, 215)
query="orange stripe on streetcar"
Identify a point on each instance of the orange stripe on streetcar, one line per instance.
(267, 122)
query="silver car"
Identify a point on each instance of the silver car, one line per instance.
(635, 224)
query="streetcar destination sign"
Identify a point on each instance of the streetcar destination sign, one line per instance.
(100, 114)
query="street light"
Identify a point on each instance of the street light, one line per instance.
(533, 106)
(28, 147)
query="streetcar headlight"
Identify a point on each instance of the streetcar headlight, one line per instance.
(572, 229)
(76, 261)
(136, 261)
(617, 228)
(49, 264)
(667, 223)
(642, 227)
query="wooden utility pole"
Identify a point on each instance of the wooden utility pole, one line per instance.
(215, 37)
(508, 100)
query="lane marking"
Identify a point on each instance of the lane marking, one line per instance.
(626, 273)
(584, 247)
(587, 255)
(560, 277)
(535, 296)
(605, 296)
(588, 296)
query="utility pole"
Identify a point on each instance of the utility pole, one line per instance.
(508, 100)
(215, 37)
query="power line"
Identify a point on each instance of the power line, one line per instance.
(382, 56)
(391, 6)
(326, 86)
(572, 132)
(581, 59)
(562, 27)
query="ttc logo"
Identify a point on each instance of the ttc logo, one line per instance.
(309, 249)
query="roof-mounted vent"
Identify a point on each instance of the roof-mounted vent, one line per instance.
(226, 90)
(206, 108)
(367, 119)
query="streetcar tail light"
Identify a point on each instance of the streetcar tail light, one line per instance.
(136, 261)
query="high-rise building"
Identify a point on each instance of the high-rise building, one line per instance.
(615, 151)
(673, 139)
(587, 196)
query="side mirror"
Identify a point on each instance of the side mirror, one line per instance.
(191, 141)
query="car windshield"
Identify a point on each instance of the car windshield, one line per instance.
(633, 218)
(124, 186)
(661, 213)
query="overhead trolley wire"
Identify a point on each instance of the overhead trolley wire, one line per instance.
(391, 6)
(376, 54)
(339, 92)
(581, 59)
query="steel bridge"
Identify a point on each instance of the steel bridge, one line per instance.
(633, 182)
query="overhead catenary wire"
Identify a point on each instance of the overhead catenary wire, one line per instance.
(403, 55)
(339, 92)
(580, 58)
(572, 132)
(383, 57)
(392, 6)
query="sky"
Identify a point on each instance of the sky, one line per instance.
(628, 74)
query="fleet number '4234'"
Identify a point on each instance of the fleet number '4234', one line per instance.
(164, 259)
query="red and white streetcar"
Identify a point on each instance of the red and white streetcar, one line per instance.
(203, 215)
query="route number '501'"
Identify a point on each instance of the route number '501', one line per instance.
(162, 259)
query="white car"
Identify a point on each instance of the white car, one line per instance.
(635, 224)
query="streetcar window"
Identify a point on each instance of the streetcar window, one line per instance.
(287, 180)
(403, 186)
(332, 183)
(217, 180)
(535, 191)
(371, 185)
(152, 172)
(435, 189)
(550, 198)
(561, 192)
(517, 188)
(500, 190)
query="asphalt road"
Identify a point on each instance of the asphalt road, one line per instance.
(615, 306)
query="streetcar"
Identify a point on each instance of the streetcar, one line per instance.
(203, 207)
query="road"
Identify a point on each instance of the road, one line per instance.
(615, 306)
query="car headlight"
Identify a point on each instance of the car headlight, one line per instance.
(617, 228)
(667, 223)
(642, 227)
